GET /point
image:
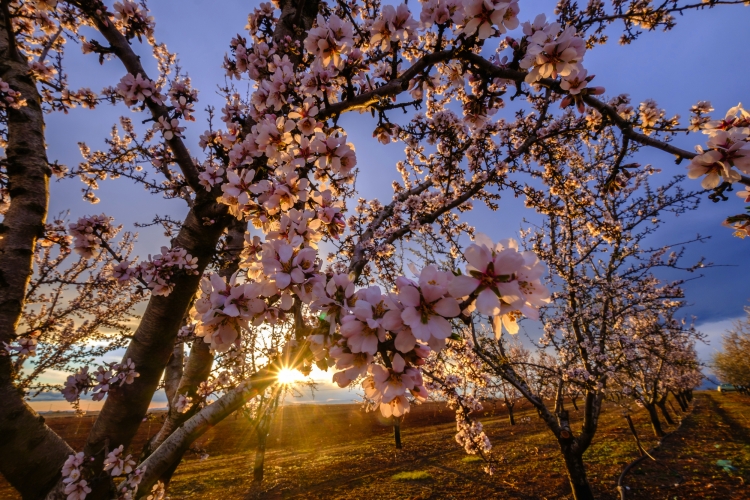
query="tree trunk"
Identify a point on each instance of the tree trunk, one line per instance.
(684, 402)
(173, 372)
(397, 432)
(511, 417)
(579, 483)
(663, 407)
(654, 417)
(260, 451)
(151, 347)
(680, 401)
(31, 454)
(672, 407)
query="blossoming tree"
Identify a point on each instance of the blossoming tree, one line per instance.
(660, 358)
(274, 182)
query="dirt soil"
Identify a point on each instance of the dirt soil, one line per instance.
(342, 452)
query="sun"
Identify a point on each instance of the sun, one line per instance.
(289, 376)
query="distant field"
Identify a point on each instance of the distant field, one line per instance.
(341, 452)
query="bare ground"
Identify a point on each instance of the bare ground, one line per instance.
(341, 452)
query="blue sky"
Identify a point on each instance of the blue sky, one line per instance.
(703, 58)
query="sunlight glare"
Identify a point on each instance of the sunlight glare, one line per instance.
(289, 376)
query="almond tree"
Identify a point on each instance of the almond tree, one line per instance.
(281, 166)
(595, 240)
(658, 356)
(732, 363)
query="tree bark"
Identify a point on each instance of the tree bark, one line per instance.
(576, 469)
(201, 359)
(263, 430)
(31, 454)
(260, 455)
(152, 345)
(680, 401)
(663, 408)
(654, 417)
(397, 432)
(173, 372)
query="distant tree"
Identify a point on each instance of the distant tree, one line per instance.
(659, 358)
(594, 239)
(502, 389)
(732, 363)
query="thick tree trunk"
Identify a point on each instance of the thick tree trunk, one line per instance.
(173, 372)
(663, 408)
(579, 483)
(672, 407)
(152, 346)
(201, 359)
(654, 417)
(31, 454)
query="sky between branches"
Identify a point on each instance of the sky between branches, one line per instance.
(703, 58)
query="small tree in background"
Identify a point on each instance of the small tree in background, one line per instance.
(732, 363)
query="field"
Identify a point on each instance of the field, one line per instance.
(341, 452)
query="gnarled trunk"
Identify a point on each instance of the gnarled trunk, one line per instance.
(654, 418)
(576, 470)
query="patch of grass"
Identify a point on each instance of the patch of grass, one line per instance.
(414, 475)
(471, 458)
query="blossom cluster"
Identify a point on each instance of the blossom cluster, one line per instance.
(25, 346)
(100, 382)
(135, 89)
(74, 471)
(10, 98)
(727, 151)
(133, 20)
(76, 487)
(379, 337)
(222, 309)
(158, 271)
(726, 156)
(90, 232)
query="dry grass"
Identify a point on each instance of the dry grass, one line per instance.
(414, 475)
(340, 452)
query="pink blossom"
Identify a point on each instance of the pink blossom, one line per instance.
(427, 307)
(486, 17)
